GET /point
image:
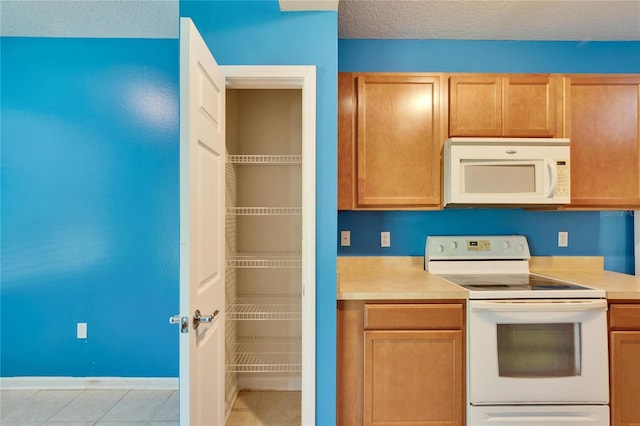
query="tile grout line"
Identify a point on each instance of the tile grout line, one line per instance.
(112, 406)
(157, 410)
(48, 420)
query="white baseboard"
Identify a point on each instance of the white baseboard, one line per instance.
(150, 383)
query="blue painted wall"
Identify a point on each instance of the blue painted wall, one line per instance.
(608, 234)
(257, 33)
(90, 190)
(488, 56)
(89, 205)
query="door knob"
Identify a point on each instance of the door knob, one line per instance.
(198, 318)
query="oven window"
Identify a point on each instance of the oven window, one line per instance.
(539, 350)
(500, 179)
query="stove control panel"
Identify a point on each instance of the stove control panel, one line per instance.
(493, 247)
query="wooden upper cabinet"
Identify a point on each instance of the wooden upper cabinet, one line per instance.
(346, 134)
(505, 105)
(532, 106)
(475, 105)
(390, 137)
(602, 116)
(398, 142)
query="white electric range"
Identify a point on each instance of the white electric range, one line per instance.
(496, 267)
(536, 346)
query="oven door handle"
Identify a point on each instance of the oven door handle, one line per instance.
(539, 306)
(541, 419)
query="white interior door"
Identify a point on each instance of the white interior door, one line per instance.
(202, 269)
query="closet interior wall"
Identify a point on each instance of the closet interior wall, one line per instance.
(263, 240)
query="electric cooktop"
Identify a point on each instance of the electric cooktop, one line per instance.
(510, 282)
(520, 286)
(496, 267)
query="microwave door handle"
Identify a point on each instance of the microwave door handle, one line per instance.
(553, 173)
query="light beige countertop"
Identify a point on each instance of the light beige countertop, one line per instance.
(391, 278)
(404, 277)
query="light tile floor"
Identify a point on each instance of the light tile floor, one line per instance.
(121, 407)
(118, 407)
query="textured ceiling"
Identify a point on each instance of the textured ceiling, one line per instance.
(413, 19)
(89, 18)
(490, 20)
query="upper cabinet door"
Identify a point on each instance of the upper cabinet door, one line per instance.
(531, 105)
(475, 105)
(398, 141)
(602, 122)
(511, 105)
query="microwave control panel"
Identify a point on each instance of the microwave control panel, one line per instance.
(564, 177)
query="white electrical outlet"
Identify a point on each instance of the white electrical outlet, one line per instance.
(563, 239)
(345, 238)
(81, 330)
(385, 239)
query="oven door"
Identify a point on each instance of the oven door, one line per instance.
(538, 352)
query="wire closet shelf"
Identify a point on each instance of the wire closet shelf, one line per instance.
(283, 160)
(266, 354)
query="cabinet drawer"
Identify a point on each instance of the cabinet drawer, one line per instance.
(413, 316)
(624, 316)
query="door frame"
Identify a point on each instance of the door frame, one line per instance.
(636, 231)
(296, 77)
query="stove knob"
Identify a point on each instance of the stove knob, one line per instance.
(506, 244)
(453, 245)
(440, 248)
(519, 248)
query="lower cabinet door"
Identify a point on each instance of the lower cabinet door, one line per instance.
(413, 377)
(625, 378)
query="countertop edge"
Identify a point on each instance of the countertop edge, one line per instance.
(587, 270)
(435, 295)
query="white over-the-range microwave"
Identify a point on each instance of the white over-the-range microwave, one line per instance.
(506, 171)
